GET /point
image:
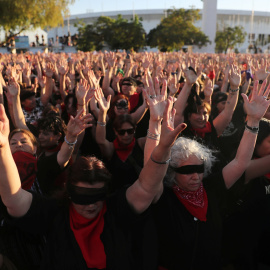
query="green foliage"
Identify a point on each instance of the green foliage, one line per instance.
(177, 30)
(229, 38)
(116, 33)
(19, 15)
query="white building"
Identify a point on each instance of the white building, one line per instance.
(256, 25)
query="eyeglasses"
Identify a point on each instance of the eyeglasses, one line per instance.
(129, 131)
(129, 84)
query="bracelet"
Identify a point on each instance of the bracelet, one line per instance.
(152, 138)
(158, 162)
(254, 130)
(234, 91)
(151, 135)
(71, 145)
(102, 124)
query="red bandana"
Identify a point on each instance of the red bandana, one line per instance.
(87, 233)
(27, 167)
(133, 101)
(201, 131)
(196, 202)
(123, 151)
(53, 149)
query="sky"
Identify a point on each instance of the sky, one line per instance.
(84, 6)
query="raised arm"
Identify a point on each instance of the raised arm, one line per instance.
(255, 109)
(17, 115)
(225, 117)
(181, 101)
(16, 199)
(105, 146)
(148, 188)
(74, 128)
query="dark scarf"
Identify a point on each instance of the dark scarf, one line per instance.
(195, 202)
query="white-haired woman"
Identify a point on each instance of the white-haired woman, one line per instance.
(188, 214)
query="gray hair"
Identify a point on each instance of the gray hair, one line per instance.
(182, 149)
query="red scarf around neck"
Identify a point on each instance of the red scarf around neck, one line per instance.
(87, 233)
(202, 131)
(195, 202)
(27, 167)
(133, 101)
(123, 151)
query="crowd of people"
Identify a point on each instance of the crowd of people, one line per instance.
(135, 161)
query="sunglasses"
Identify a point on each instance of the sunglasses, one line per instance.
(129, 131)
(129, 84)
(121, 108)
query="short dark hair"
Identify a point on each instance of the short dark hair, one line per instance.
(88, 170)
(121, 119)
(54, 124)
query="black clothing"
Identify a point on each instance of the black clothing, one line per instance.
(124, 173)
(49, 174)
(128, 238)
(184, 241)
(246, 227)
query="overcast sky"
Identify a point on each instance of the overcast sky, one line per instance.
(83, 6)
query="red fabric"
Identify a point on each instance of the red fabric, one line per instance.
(123, 151)
(267, 176)
(54, 148)
(202, 131)
(196, 202)
(28, 109)
(133, 101)
(212, 75)
(87, 233)
(27, 167)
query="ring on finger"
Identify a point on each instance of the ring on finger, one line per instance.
(265, 97)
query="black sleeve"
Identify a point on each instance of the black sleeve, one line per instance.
(39, 217)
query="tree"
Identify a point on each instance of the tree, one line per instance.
(229, 38)
(116, 33)
(177, 30)
(19, 15)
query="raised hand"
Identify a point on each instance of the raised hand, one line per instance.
(81, 91)
(258, 104)
(168, 132)
(104, 104)
(78, 124)
(157, 102)
(235, 77)
(173, 85)
(13, 88)
(49, 70)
